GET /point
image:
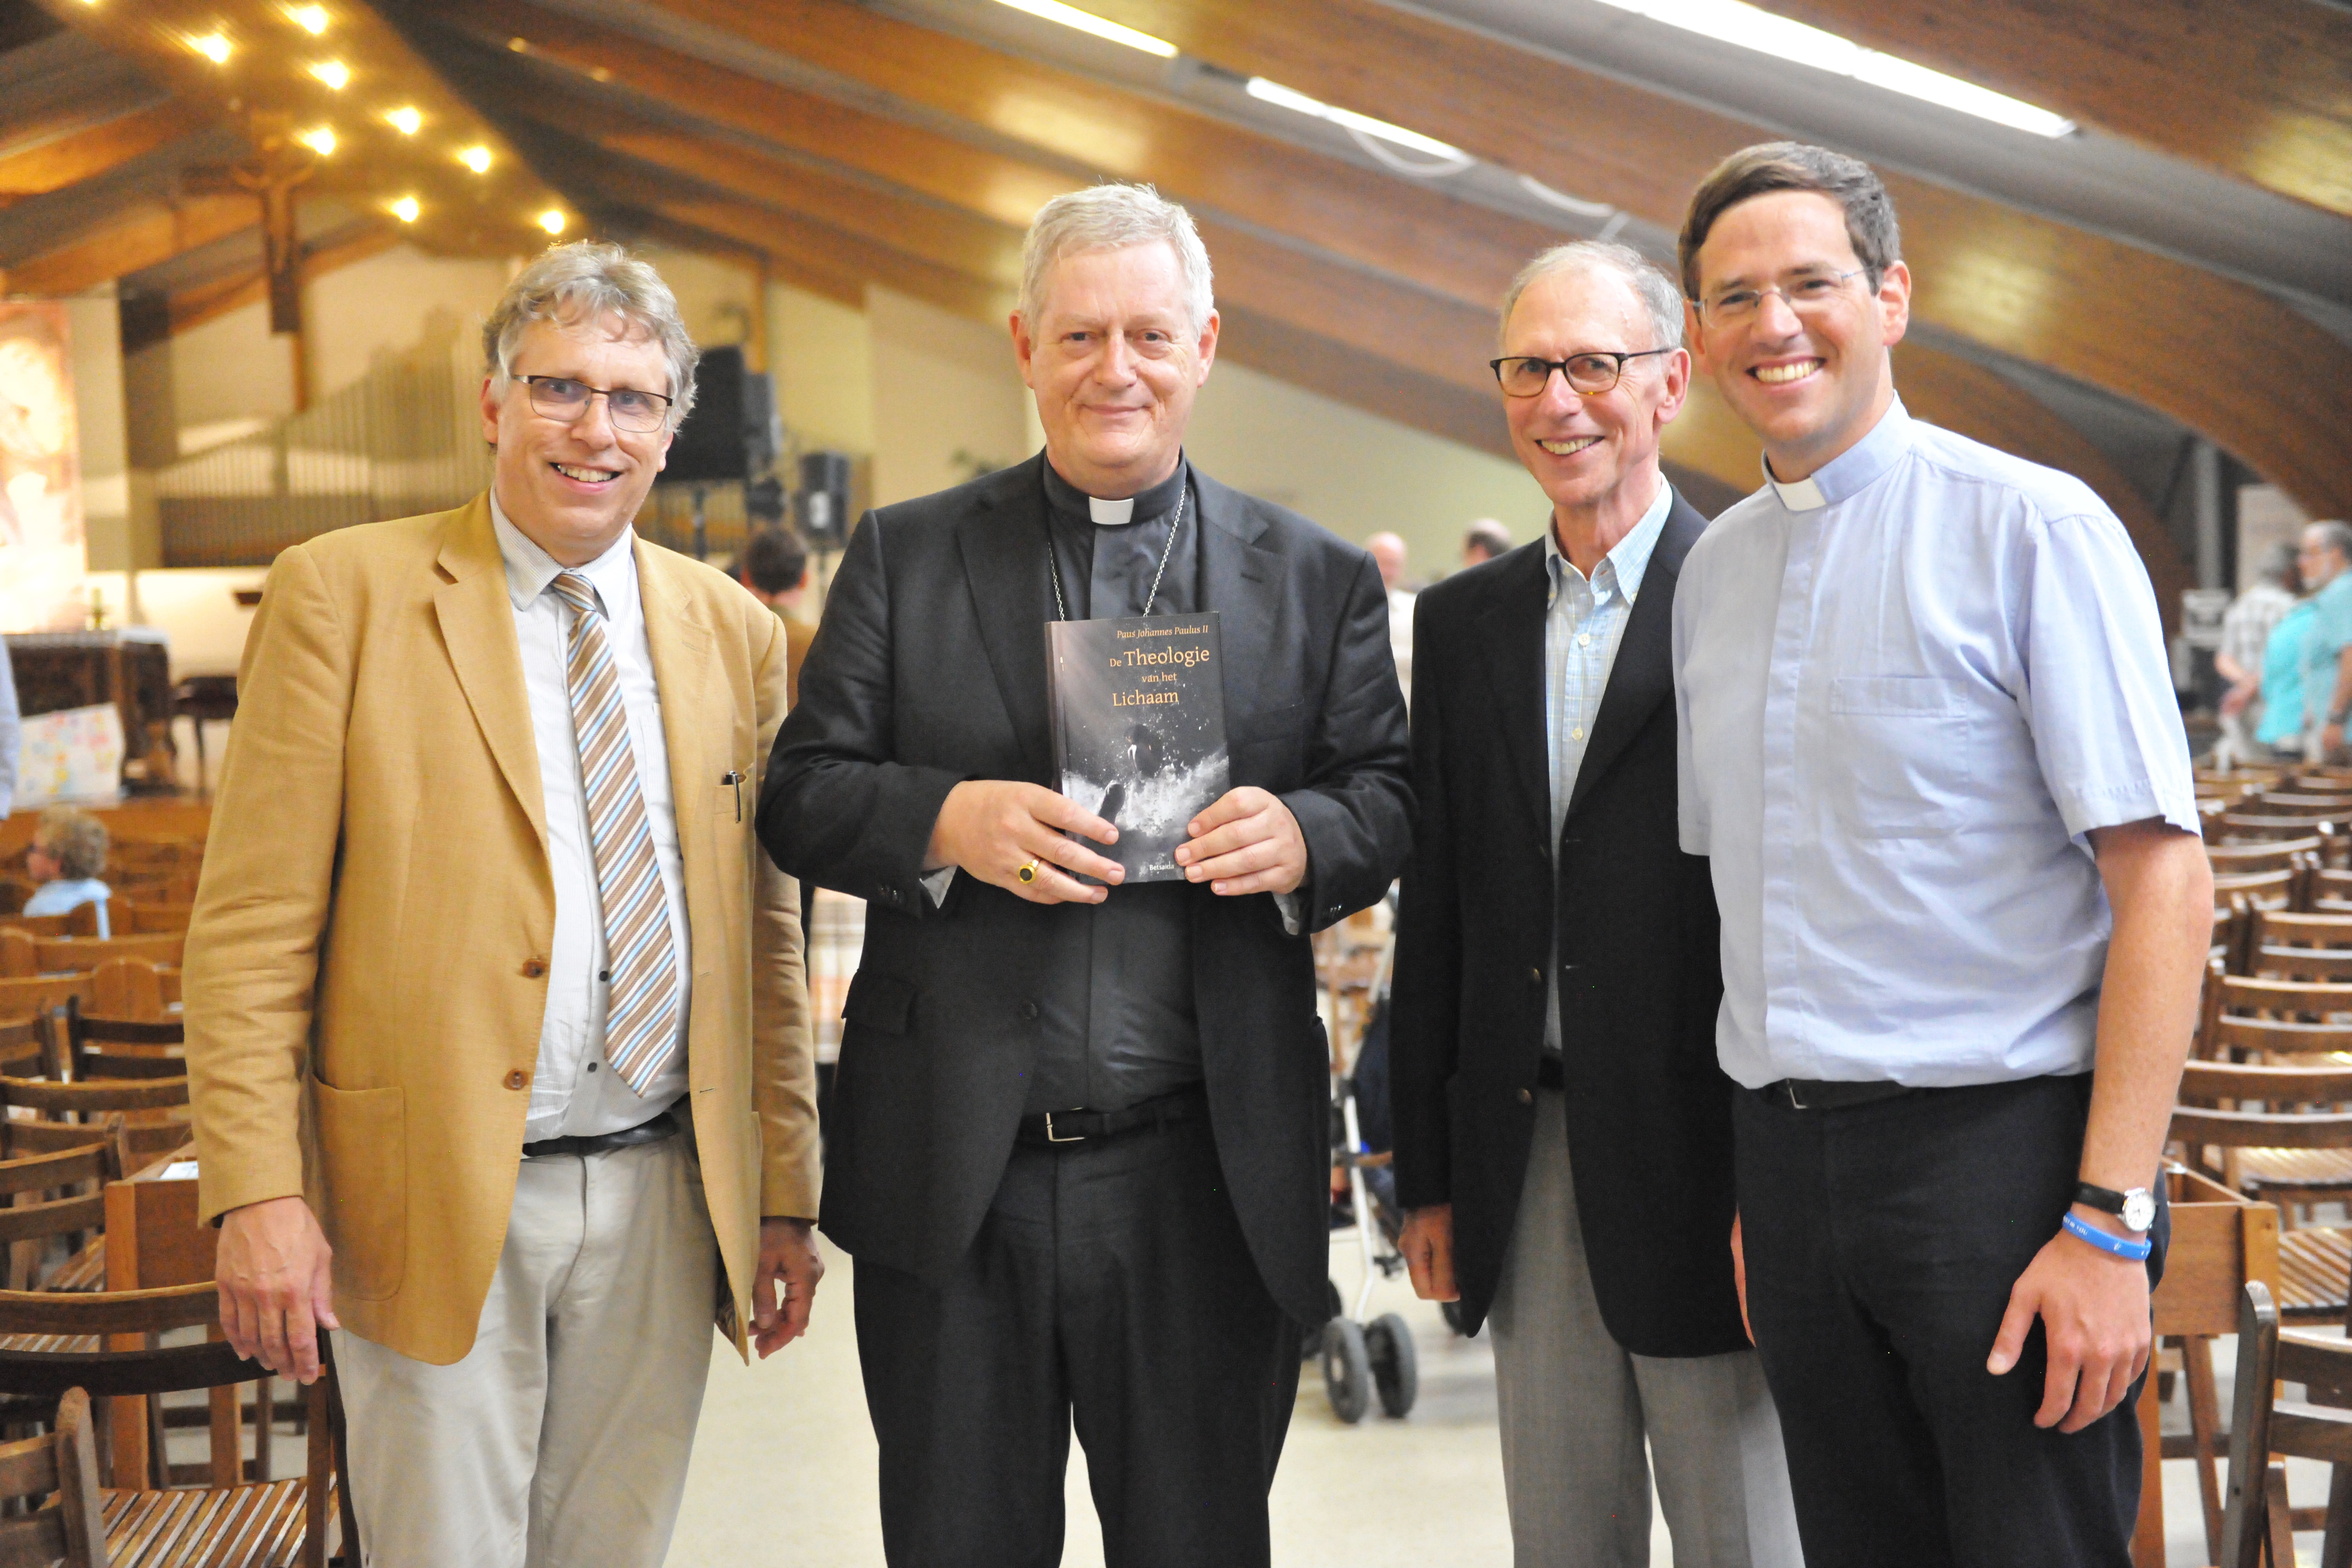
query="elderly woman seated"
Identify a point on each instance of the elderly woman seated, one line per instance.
(69, 852)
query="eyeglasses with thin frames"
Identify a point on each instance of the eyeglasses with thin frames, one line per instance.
(566, 401)
(1806, 293)
(1588, 375)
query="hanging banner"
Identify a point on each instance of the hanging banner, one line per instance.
(42, 553)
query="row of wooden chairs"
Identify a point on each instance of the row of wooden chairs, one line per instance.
(24, 953)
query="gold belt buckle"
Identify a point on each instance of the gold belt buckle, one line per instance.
(1053, 1137)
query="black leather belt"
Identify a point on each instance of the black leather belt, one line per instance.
(1809, 1094)
(1068, 1128)
(653, 1132)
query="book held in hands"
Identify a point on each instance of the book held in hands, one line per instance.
(1137, 708)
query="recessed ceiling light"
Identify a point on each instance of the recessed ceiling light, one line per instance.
(1291, 98)
(334, 73)
(405, 209)
(312, 19)
(1752, 27)
(1086, 22)
(406, 119)
(477, 158)
(551, 220)
(320, 140)
(214, 45)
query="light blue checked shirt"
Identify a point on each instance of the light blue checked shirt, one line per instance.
(575, 1092)
(1908, 688)
(1583, 627)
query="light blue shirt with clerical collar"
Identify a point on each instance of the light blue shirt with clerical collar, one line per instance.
(1907, 688)
(1582, 627)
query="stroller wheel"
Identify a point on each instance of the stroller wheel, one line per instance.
(1347, 1369)
(1396, 1371)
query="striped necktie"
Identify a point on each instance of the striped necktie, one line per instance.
(640, 1009)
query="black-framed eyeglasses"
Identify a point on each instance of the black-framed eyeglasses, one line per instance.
(1804, 293)
(1588, 375)
(565, 401)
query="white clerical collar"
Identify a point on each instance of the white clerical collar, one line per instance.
(1111, 513)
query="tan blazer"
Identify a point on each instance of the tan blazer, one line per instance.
(366, 963)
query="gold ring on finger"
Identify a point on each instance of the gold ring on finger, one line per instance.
(1028, 873)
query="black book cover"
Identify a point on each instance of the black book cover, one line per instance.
(1138, 716)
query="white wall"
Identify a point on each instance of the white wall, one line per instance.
(944, 385)
(821, 353)
(1356, 473)
(94, 325)
(383, 304)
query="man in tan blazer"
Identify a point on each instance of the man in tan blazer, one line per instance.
(497, 1023)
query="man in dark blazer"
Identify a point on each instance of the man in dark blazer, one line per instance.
(1563, 1134)
(1078, 1146)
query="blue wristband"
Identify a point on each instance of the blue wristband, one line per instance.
(2114, 1245)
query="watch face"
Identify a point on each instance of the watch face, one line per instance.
(2139, 1209)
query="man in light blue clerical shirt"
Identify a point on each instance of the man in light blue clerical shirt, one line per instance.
(1930, 743)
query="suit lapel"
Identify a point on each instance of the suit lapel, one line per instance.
(1513, 636)
(698, 709)
(1004, 544)
(1642, 676)
(477, 627)
(1240, 579)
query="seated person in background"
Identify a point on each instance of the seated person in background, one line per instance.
(1486, 540)
(775, 568)
(69, 852)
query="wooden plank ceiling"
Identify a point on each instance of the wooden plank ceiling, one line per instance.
(840, 147)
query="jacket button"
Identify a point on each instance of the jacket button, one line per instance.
(532, 968)
(1534, 974)
(518, 1078)
(1028, 1010)
(1524, 1096)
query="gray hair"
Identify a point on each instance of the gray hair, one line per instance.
(2278, 566)
(2335, 536)
(587, 280)
(1651, 286)
(1112, 218)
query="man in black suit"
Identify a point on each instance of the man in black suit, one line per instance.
(1563, 1134)
(1078, 1147)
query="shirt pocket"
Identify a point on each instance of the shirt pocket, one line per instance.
(1900, 761)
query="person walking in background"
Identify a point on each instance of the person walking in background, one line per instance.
(1930, 743)
(2325, 561)
(498, 1037)
(1079, 1139)
(775, 571)
(1486, 540)
(67, 857)
(1563, 1132)
(2285, 706)
(2246, 631)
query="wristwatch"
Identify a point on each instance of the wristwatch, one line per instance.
(2136, 1208)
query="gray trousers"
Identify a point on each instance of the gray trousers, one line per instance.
(1576, 1408)
(561, 1441)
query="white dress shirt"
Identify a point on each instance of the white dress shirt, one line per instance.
(575, 1092)
(1583, 622)
(1908, 688)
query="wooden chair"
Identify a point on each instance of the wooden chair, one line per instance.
(2232, 920)
(95, 1097)
(133, 988)
(2329, 892)
(2315, 1261)
(81, 954)
(144, 919)
(35, 994)
(63, 1464)
(2281, 889)
(79, 922)
(2220, 1240)
(281, 1523)
(2277, 855)
(2243, 826)
(2259, 1524)
(82, 1031)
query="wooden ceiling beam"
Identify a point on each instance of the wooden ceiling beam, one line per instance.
(2219, 356)
(2256, 88)
(94, 150)
(147, 236)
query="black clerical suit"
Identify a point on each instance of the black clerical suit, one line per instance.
(1147, 1287)
(1648, 1108)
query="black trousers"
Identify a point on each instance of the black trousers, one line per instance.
(1110, 1289)
(1881, 1242)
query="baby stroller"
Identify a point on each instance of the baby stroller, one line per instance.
(1364, 1360)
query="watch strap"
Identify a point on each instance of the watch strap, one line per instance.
(2104, 1199)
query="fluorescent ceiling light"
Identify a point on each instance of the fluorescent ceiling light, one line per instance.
(1291, 98)
(1752, 27)
(1085, 21)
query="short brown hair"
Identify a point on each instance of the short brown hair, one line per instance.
(1794, 166)
(75, 839)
